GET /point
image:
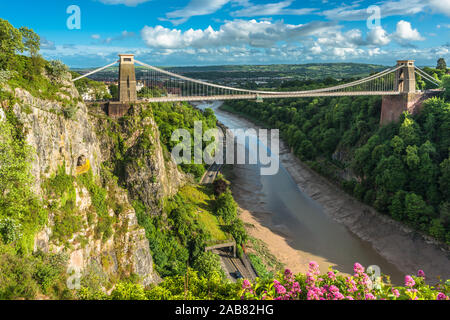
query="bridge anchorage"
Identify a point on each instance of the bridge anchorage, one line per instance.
(397, 86)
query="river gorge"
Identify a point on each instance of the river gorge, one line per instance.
(302, 217)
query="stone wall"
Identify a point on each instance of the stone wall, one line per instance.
(393, 106)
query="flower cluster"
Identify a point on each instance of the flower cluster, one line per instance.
(332, 286)
(285, 289)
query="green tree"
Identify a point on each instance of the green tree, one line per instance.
(397, 145)
(226, 207)
(114, 90)
(409, 130)
(306, 150)
(441, 64)
(390, 174)
(416, 209)
(437, 230)
(446, 86)
(412, 158)
(207, 263)
(444, 180)
(31, 41)
(396, 209)
(10, 43)
(237, 230)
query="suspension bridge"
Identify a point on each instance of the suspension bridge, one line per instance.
(396, 84)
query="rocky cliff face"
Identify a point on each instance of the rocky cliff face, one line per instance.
(79, 141)
(132, 148)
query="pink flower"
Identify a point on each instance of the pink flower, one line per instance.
(314, 268)
(314, 293)
(350, 298)
(441, 296)
(358, 268)
(280, 289)
(421, 274)
(339, 296)
(370, 296)
(296, 288)
(331, 275)
(246, 284)
(395, 293)
(334, 289)
(409, 281)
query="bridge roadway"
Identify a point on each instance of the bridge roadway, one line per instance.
(270, 96)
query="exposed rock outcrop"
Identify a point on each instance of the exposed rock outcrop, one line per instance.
(69, 135)
(132, 146)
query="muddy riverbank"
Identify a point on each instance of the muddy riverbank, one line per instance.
(296, 226)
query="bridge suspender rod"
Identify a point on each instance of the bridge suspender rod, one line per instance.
(210, 86)
(95, 71)
(361, 81)
(427, 76)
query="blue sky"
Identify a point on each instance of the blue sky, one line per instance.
(212, 32)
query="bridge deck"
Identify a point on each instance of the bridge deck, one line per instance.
(270, 96)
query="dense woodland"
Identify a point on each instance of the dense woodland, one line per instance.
(402, 169)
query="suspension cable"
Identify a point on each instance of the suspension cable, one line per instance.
(95, 71)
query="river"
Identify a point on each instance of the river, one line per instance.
(277, 202)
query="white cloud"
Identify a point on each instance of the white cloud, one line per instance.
(378, 36)
(124, 35)
(196, 8)
(440, 6)
(271, 9)
(129, 3)
(405, 32)
(47, 45)
(254, 33)
(308, 50)
(96, 36)
(354, 12)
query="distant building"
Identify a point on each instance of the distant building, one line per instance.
(173, 92)
(90, 95)
(140, 85)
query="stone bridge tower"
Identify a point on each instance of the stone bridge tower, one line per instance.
(127, 87)
(127, 79)
(409, 98)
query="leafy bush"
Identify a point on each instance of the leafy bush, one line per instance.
(9, 230)
(24, 276)
(21, 212)
(5, 75)
(446, 86)
(70, 111)
(57, 69)
(226, 207)
(208, 263)
(332, 286)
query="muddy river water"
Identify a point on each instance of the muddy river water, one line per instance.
(314, 226)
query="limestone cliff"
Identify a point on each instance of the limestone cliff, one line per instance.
(67, 135)
(132, 148)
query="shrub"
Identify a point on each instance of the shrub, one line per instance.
(9, 230)
(70, 111)
(57, 69)
(226, 207)
(208, 263)
(332, 286)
